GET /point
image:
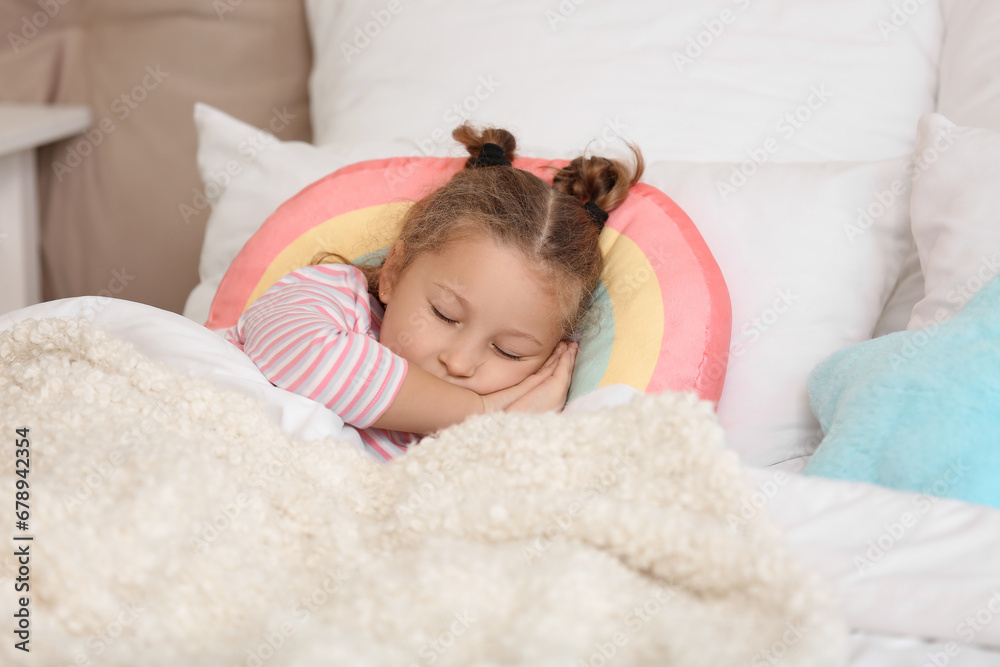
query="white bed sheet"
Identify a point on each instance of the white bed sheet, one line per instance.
(904, 564)
(908, 599)
(873, 650)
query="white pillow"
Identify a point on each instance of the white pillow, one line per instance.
(810, 253)
(970, 63)
(908, 291)
(700, 80)
(247, 173)
(955, 215)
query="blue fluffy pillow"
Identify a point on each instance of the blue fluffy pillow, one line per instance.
(917, 410)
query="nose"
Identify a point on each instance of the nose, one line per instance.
(460, 359)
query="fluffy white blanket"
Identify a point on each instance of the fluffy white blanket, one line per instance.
(173, 524)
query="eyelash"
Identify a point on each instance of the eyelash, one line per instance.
(442, 317)
(505, 355)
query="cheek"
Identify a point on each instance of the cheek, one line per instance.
(504, 374)
(392, 334)
(406, 333)
(520, 371)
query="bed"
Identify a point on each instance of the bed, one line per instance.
(824, 151)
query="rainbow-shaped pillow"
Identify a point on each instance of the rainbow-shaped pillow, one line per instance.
(661, 320)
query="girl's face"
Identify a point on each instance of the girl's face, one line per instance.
(475, 315)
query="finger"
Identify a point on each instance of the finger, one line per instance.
(542, 374)
(557, 351)
(507, 396)
(563, 373)
(536, 378)
(553, 358)
(570, 354)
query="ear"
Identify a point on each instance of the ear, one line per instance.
(391, 270)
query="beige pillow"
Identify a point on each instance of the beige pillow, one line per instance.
(117, 201)
(969, 92)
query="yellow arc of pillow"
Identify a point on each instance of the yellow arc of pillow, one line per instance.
(637, 303)
(351, 234)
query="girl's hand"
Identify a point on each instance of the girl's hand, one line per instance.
(542, 391)
(550, 393)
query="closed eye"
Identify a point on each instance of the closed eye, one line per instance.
(506, 355)
(443, 317)
(503, 353)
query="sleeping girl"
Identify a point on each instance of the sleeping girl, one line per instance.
(472, 310)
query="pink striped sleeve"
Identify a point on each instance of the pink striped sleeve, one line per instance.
(311, 333)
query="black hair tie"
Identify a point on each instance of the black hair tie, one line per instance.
(597, 214)
(491, 155)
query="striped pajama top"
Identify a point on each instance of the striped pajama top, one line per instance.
(315, 332)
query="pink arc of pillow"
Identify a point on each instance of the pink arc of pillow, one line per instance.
(669, 319)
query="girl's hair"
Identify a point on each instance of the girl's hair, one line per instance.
(548, 225)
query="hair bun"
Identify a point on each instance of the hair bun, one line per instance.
(476, 140)
(599, 180)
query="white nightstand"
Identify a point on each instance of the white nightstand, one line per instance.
(23, 128)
